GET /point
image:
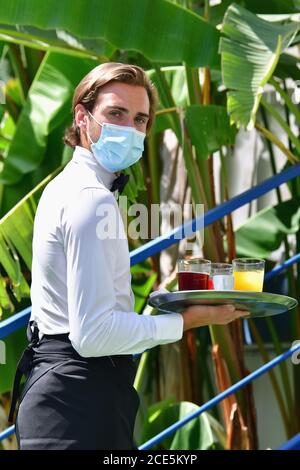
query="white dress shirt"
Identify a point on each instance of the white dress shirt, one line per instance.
(81, 283)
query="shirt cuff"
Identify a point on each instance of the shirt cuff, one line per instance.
(168, 327)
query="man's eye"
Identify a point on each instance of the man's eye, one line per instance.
(141, 120)
(115, 113)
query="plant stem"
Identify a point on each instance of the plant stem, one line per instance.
(287, 100)
(284, 374)
(283, 124)
(265, 356)
(268, 135)
(141, 371)
(275, 339)
(167, 100)
(153, 184)
(193, 85)
(270, 149)
(274, 170)
(19, 70)
(166, 111)
(194, 97)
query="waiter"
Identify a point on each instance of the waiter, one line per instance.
(83, 330)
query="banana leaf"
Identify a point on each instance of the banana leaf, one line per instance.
(16, 230)
(264, 232)
(57, 41)
(175, 79)
(13, 91)
(160, 30)
(209, 128)
(250, 51)
(47, 105)
(200, 120)
(53, 158)
(135, 183)
(7, 128)
(142, 285)
(217, 11)
(202, 433)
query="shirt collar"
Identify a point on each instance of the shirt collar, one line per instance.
(83, 156)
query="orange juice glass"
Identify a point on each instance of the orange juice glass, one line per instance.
(248, 274)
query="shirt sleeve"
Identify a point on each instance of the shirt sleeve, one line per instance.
(96, 327)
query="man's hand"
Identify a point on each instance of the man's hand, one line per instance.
(201, 315)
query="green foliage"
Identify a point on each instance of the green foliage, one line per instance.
(264, 232)
(287, 67)
(170, 83)
(209, 128)
(201, 433)
(136, 182)
(14, 346)
(16, 229)
(200, 120)
(47, 106)
(250, 51)
(130, 23)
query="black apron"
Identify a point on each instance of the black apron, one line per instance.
(72, 402)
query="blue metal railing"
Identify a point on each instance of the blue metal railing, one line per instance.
(20, 319)
(211, 216)
(287, 263)
(291, 444)
(185, 230)
(7, 433)
(214, 401)
(13, 323)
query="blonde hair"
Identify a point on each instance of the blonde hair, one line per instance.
(87, 91)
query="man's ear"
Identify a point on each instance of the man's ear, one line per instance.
(80, 117)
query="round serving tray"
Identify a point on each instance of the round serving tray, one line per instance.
(258, 304)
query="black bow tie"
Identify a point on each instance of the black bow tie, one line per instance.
(119, 183)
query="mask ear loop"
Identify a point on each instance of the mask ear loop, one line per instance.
(87, 132)
(95, 118)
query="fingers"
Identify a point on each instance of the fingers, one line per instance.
(201, 315)
(225, 314)
(237, 312)
(242, 313)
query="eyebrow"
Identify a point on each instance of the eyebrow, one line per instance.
(125, 110)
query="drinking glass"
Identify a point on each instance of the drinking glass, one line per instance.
(193, 273)
(221, 277)
(248, 274)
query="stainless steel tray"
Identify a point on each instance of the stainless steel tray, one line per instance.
(259, 304)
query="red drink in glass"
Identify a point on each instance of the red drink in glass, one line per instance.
(188, 280)
(193, 273)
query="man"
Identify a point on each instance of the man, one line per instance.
(79, 390)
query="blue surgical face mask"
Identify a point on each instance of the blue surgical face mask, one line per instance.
(118, 147)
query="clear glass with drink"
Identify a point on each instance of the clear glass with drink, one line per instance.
(193, 273)
(221, 276)
(248, 274)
